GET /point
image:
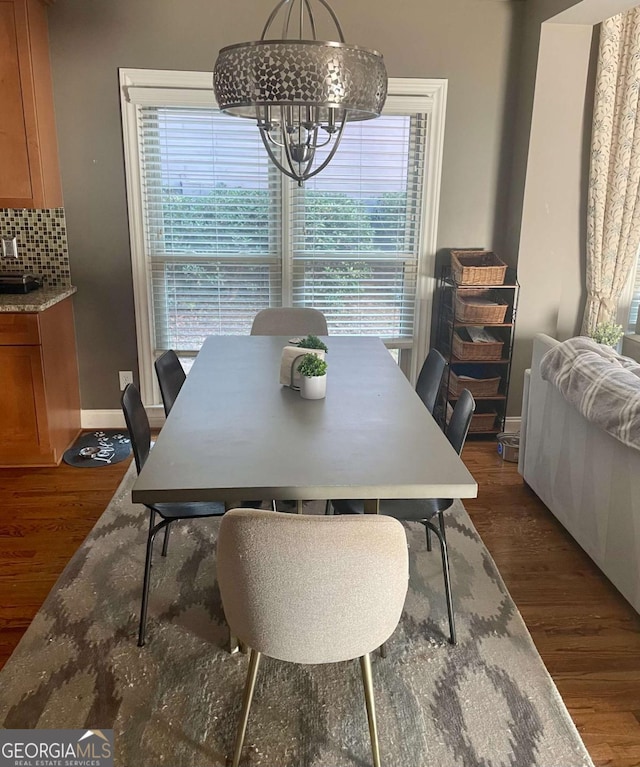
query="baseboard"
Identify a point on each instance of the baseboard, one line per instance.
(113, 419)
(512, 424)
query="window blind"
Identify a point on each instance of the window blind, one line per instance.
(212, 221)
(355, 230)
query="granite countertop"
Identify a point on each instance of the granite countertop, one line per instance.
(35, 301)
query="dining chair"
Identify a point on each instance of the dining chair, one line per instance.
(311, 589)
(289, 321)
(140, 436)
(171, 376)
(430, 379)
(428, 511)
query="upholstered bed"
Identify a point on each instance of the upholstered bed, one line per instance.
(587, 478)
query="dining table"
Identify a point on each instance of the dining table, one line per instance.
(234, 433)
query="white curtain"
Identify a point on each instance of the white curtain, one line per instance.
(613, 213)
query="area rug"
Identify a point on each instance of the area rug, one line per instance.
(488, 702)
(98, 448)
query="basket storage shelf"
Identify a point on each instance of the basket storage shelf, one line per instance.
(480, 307)
(477, 267)
(476, 289)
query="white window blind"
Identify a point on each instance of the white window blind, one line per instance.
(356, 230)
(217, 233)
(211, 205)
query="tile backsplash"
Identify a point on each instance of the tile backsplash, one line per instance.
(42, 244)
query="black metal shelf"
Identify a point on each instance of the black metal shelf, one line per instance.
(446, 324)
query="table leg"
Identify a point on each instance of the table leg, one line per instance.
(371, 505)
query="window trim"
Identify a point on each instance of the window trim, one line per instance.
(148, 87)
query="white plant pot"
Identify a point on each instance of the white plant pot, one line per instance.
(313, 387)
(296, 381)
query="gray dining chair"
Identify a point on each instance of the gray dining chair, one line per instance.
(171, 376)
(289, 321)
(428, 511)
(137, 422)
(311, 589)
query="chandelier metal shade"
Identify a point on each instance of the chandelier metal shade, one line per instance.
(300, 90)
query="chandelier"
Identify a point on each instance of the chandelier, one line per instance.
(301, 91)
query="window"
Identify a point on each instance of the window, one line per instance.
(218, 233)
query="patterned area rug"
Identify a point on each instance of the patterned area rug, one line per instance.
(488, 702)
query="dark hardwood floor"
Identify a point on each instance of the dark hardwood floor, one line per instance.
(587, 634)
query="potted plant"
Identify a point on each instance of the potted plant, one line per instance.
(313, 377)
(607, 333)
(312, 342)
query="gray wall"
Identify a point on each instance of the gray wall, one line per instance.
(472, 43)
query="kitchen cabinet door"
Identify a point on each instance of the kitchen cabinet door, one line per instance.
(29, 172)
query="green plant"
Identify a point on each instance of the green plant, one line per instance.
(311, 366)
(312, 342)
(607, 333)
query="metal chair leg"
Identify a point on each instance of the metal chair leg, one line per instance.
(274, 506)
(249, 687)
(446, 574)
(426, 527)
(328, 507)
(367, 681)
(147, 577)
(165, 543)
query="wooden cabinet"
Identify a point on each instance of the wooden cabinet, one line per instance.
(39, 397)
(485, 369)
(29, 170)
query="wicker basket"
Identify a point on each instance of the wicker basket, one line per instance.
(479, 421)
(477, 267)
(469, 309)
(479, 387)
(468, 350)
(483, 421)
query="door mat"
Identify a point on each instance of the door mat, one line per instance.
(98, 448)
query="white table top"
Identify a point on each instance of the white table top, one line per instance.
(234, 433)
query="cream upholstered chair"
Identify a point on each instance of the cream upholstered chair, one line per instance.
(287, 321)
(311, 589)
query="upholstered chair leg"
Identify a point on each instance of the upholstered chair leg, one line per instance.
(165, 543)
(249, 687)
(367, 680)
(153, 531)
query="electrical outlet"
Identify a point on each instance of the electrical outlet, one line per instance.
(126, 377)
(9, 247)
